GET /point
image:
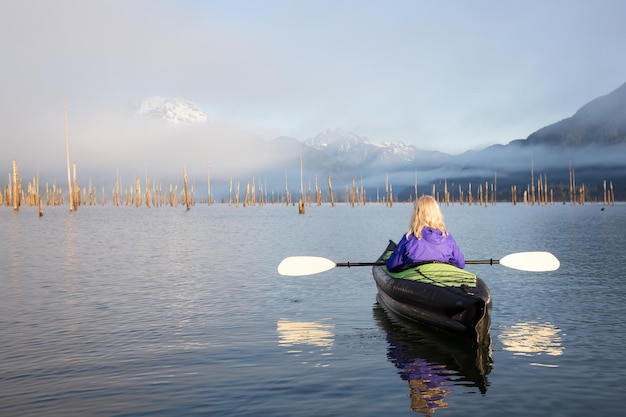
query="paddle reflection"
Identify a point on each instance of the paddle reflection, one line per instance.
(316, 333)
(296, 335)
(533, 339)
(433, 363)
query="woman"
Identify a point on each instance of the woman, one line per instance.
(427, 239)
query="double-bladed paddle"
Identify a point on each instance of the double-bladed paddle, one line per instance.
(524, 261)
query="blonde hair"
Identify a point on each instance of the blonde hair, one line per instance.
(426, 213)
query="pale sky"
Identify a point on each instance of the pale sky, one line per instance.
(440, 75)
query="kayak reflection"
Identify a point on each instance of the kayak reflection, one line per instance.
(433, 363)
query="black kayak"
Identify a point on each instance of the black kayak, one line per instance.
(437, 294)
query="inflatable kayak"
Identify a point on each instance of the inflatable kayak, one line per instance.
(437, 294)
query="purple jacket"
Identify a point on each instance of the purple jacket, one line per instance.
(433, 246)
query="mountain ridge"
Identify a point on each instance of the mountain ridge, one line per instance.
(593, 140)
(601, 121)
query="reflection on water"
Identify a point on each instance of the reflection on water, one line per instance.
(533, 339)
(433, 363)
(428, 386)
(312, 333)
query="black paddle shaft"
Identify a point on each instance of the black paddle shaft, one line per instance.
(474, 262)
(349, 264)
(484, 262)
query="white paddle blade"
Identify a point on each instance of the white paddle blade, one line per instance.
(296, 266)
(531, 261)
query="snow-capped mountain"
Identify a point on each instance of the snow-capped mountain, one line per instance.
(345, 155)
(173, 110)
(352, 149)
(336, 141)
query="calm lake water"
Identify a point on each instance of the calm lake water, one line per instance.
(120, 311)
